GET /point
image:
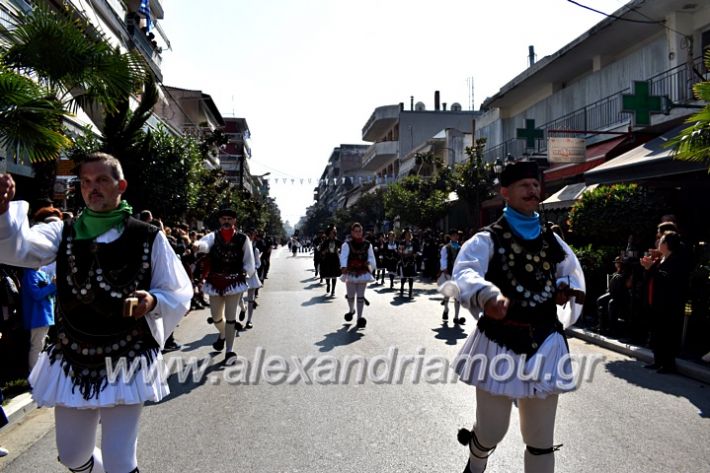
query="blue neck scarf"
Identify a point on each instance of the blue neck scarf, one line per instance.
(527, 228)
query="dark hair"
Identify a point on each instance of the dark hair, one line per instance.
(105, 158)
(672, 240)
(145, 215)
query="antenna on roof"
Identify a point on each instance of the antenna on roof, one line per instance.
(469, 81)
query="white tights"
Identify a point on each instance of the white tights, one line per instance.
(537, 424)
(353, 288)
(225, 307)
(76, 437)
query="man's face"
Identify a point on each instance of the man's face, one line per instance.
(523, 195)
(454, 237)
(100, 190)
(356, 232)
(226, 221)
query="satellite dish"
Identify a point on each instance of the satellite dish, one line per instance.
(419, 107)
(455, 107)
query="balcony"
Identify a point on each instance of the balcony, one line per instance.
(140, 42)
(381, 120)
(380, 155)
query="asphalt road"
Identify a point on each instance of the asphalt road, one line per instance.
(625, 419)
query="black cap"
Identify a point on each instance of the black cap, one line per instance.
(519, 170)
(227, 212)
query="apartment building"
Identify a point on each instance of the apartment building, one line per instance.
(621, 89)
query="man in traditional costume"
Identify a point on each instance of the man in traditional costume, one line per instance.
(357, 262)
(447, 257)
(253, 282)
(229, 263)
(527, 286)
(121, 290)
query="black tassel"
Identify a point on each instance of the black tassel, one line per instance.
(210, 320)
(464, 437)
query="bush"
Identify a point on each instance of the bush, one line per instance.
(607, 215)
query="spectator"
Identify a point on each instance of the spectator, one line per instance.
(667, 281)
(37, 293)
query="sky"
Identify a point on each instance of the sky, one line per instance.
(307, 74)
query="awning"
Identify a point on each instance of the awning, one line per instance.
(566, 196)
(594, 156)
(648, 161)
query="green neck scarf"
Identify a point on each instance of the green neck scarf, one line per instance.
(91, 224)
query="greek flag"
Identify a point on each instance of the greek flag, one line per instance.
(144, 9)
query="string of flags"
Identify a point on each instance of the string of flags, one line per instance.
(332, 181)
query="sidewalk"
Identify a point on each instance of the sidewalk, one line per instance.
(697, 370)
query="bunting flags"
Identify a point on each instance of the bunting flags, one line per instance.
(333, 181)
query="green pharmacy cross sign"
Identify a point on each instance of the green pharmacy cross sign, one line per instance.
(641, 104)
(530, 133)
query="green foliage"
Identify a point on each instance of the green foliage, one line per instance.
(416, 202)
(607, 215)
(475, 181)
(30, 118)
(693, 143)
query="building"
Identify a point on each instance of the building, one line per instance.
(395, 132)
(615, 88)
(234, 157)
(342, 180)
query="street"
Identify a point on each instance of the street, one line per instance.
(624, 418)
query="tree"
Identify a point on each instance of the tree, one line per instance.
(416, 202)
(475, 181)
(72, 65)
(693, 143)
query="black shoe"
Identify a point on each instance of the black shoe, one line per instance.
(443, 302)
(229, 356)
(238, 327)
(349, 316)
(255, 304)
(242, 314)
(445, 316)
(249, 325)
(219, 344)
(652, 366)
(171, 347)
(459, 321)
(361, 322)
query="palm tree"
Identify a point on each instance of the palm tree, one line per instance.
(73, 66)
(693, 143)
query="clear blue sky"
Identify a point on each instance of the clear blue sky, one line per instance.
(307, 74)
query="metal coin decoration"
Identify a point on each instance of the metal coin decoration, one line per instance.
(534, 263)
(96, 278)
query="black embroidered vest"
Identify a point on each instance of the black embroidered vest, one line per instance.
(93, 280)
(227, 257)
(357, 257)
(524, 270)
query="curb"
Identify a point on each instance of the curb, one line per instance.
(18, 407)
(696, 371)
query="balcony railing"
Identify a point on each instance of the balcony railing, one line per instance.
(142, 44)
(605, 114)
